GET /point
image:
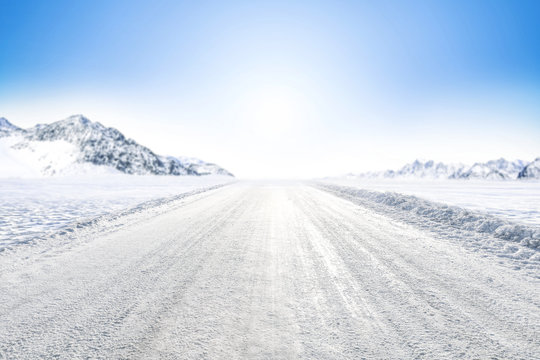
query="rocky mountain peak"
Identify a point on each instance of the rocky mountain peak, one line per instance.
(531, 171)
(103, 146)
(7, 128)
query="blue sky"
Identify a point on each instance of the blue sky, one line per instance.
(283, 88)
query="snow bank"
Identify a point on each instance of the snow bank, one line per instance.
(436, 215)
(514, 201)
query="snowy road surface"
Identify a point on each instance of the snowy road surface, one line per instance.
(264, 271)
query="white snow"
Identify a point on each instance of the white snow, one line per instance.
(268, 271)
(473, 229)
(34, 159)
(31, 208)
(518, 201)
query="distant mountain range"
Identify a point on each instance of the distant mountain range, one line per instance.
(500, 169)
(77, 145)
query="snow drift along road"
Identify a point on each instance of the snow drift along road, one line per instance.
(264, 271)
(431, 215)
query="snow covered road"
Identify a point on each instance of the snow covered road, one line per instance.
(265, 270)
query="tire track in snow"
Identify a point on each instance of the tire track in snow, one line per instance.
(265, 270)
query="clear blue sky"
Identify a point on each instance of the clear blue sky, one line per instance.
(283, 88)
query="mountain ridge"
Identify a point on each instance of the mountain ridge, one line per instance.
(531, 171)
(77, 140)
(498, 169)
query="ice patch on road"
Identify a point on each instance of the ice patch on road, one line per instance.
(476, 229)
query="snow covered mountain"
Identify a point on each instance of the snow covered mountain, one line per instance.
(201, 167)
(7, 128)
(418, 169)
(531, 171)
(427, 169)
(500, 169)
(77, 145)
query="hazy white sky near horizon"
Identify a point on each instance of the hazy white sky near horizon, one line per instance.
(284, 89)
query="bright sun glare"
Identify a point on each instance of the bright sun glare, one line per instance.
(275, 111)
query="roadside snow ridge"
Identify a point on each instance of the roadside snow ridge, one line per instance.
(446, 218)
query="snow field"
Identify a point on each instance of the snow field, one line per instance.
(517, 201)
(32, 208)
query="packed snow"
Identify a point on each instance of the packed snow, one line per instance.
(31, 208)
(270, 271)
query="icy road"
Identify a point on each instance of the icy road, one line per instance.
(263, 271)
